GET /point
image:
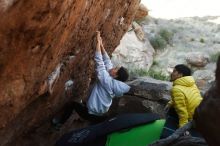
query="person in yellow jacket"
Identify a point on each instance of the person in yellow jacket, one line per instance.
(185, 97)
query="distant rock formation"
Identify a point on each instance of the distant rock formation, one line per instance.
(43, 44)
(197, 59)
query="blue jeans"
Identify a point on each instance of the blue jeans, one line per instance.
(172, 123)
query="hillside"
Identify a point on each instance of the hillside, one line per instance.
(193, 41)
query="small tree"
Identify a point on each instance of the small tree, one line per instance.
(161, 39)
(202, 40)
(166, 35)
(158, 42)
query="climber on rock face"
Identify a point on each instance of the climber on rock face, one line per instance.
(109, 84)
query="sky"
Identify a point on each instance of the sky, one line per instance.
(170, 9)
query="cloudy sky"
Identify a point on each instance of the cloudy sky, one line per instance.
(182, 8)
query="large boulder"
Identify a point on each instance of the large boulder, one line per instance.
(204, 79)
(133, 53)
(136, 104)
(42, 45)
(197, 59)
(146, 95)
(151, 89)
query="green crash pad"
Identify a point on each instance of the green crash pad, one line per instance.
(138, 136)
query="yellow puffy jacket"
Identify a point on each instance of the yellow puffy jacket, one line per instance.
(185, 97)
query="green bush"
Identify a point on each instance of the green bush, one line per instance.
(214, 57)
(138, 72)
(155, 63)
(166, 35)
(158, 75)
(158, 42)
(161, 39)
(202, 40)
(151, 73)
(192, 39)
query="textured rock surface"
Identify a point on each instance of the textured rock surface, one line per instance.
(138, 31)
(197, 59)
(42, 45)
(151, 89)
(204, 79)
(206, 119)
(146, 95)
(133, 53)
(136, 104)
(141, 12)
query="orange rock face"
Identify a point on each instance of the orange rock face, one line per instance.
(141, 12)
(44, 43)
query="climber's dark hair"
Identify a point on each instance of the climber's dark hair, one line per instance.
(122, 74)
(183, 69)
